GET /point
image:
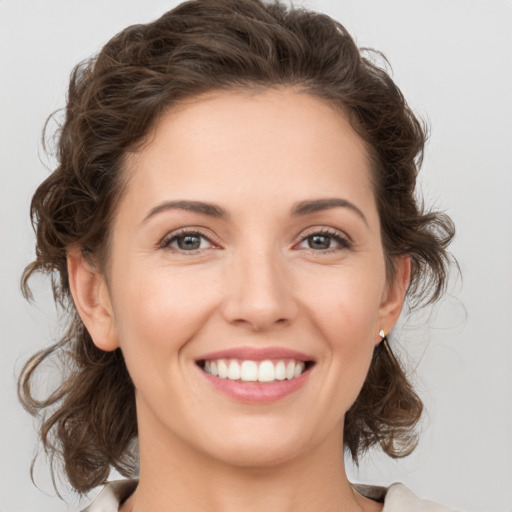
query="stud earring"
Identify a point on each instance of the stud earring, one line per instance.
(382, 333)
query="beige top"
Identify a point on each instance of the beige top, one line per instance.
(396, 498)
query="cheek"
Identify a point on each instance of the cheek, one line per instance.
(346, 305)
(156, 314)
(346, 314)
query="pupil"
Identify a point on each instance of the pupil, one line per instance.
(189, 242)
(319, 242)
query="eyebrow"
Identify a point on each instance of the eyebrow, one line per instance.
(191, 206)
(299, 209)
(317, 205)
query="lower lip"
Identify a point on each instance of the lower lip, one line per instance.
(257, 392)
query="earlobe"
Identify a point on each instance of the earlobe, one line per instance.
(92, 300)
(394, 296)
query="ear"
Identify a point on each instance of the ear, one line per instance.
(92, 300)
(394, 295)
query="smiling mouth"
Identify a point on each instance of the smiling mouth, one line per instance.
(266, 371)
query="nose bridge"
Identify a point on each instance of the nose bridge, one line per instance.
(259, 290)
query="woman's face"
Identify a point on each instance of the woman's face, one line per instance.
(247, 243)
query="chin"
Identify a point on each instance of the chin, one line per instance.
(259, 456)
(260, 444)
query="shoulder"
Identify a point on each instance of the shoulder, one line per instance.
(111, 496)
(398, 498)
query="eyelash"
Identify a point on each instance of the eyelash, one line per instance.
(183, 232)
(342, 240)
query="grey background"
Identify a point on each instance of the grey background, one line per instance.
(452, 59)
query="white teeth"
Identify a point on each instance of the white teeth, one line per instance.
(252, 371)
(299, 368)
(249, 371)
(280, 371)
(290, 370)
(234, 370)
(222, 368)
(266, 372)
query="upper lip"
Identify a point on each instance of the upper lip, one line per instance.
(256, 354)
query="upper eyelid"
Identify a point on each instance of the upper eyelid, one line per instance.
(325, 230)
(344, 241)
(208, 235)
(188, 230)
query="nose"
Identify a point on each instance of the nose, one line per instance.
(259, 291)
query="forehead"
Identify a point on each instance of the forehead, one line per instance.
(252, 147)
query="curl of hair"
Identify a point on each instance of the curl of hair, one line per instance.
(113, 102)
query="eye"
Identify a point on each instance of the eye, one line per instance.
(187, 241)
(325, 240)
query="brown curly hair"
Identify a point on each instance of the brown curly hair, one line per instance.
(114, 100)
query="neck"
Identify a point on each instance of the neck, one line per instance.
(174, 476)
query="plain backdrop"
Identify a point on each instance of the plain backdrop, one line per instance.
(453, 61)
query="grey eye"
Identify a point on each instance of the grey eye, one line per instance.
(319, 241)
(189, 242)
(325, 241)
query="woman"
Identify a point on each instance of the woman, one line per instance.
(233, 229)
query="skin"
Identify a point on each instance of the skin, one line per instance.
(254, 281)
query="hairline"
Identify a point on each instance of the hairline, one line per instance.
(127, 163)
